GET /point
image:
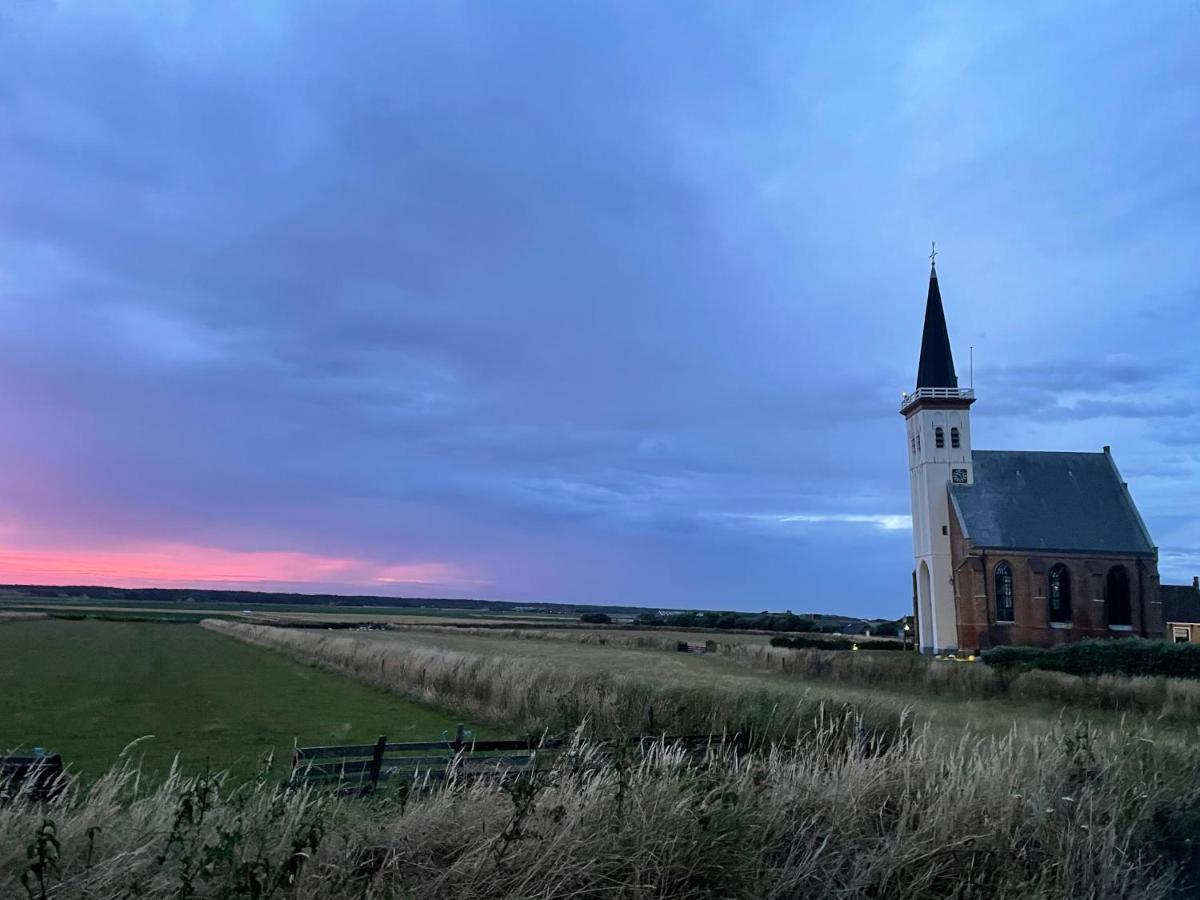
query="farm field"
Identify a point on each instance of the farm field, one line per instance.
(296, 612)
(88, 688)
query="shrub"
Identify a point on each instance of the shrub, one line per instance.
(596, 618)
(1126, 656)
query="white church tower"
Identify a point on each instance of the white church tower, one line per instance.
(938, 416)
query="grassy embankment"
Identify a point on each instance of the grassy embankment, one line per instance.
(542, 683)
(555, 686)
(88, 688)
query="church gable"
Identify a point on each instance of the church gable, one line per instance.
(1065, 502)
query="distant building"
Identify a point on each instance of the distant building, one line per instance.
(1181, 610)
(1015, 547)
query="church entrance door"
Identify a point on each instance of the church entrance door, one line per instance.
(925, 624)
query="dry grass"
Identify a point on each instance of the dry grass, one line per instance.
(842, 801)
(1071, 814)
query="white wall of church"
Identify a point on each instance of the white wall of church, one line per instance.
(930, 464)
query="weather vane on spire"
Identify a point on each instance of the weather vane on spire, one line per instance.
(933, 254)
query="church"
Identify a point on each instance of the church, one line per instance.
(1015, 546)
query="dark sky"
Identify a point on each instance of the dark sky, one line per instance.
(573, 301)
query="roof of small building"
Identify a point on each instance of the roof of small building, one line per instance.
(1070, 502)
(1181, 602)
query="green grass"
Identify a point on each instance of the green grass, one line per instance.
(87, 688)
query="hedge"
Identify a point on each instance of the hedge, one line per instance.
(1124, 656)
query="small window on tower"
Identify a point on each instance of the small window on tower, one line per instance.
(918, 442)
(954, 438)
(939, 437)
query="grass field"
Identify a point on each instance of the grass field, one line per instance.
(300, 613)
(88, 688)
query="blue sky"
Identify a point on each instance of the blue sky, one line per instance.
(577, 302)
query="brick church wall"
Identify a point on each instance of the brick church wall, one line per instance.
(974, 587)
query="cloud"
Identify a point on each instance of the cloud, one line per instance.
(172, 565)
(576, 301)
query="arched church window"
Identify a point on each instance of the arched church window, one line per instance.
(1004, 593)
(954, 438)
(1116, 597)
(939, 437)
(1058, 592)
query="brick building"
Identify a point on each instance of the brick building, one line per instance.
(1181, 610)
(1016, 547)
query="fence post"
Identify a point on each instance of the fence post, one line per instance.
(377, 759)
(458, 737)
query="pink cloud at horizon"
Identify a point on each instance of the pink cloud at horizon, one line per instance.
(176, 564)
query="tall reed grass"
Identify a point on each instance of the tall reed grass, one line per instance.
(1072, 814)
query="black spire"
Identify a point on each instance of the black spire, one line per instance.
(936, 368)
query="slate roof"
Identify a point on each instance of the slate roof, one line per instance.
(936, 368)
(1070, 502)
(1181, 602)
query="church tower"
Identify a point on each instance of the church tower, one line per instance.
(938, 416)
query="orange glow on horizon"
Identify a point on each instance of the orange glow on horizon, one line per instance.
(171, 565)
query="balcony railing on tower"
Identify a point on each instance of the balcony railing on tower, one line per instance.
(936, 393)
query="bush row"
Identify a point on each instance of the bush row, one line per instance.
(1126, 656)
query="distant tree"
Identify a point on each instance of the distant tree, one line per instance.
(596, 618)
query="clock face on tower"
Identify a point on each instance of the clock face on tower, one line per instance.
(958, 476)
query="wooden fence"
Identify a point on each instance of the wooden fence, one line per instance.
(37, 777)
(366, 765)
